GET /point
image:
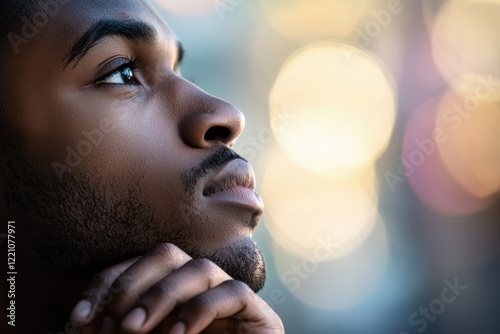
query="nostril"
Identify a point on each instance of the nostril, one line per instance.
(217, 133)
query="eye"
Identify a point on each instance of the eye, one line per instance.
(124, 76)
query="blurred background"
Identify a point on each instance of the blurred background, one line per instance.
(374, 130)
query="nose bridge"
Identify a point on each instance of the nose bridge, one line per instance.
(205, 120)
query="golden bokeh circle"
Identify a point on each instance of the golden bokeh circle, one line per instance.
(471, 152)
(302, 207)
(466, 45)
(339, 105)
(306, 20)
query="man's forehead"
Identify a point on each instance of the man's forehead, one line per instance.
(79, 16)
(61, 25)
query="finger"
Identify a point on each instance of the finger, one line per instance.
(232, 299)
(193, 278)
(162, 260)
(96, 293)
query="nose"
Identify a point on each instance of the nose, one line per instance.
(207, 120)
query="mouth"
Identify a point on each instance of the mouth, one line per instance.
(233, 174)
(234, 182)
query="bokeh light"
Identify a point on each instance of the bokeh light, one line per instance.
(338, 284)
(430, 9)
(424, 169)
(340, 107)
(191, 7)
(302, 207)
(466, 44)
(328, 72)
(472, 152)
(313, 19)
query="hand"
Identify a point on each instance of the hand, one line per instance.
(169, 292)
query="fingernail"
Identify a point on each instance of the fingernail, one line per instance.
(81, 312)
(135, 319)
(179, 328)
(107, 326)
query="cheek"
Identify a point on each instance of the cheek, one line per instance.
(145, 151)
(112, 138)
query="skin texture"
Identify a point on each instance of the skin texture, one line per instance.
(133, 221)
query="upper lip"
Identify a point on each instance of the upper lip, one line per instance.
(236, 172)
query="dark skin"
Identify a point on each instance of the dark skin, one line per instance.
(150, 231)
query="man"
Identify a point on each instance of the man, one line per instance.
(132, 213)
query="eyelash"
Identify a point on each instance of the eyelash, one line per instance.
(133, 63)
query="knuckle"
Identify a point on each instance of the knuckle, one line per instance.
(121, 284)
(161, 290)
(98, 287)
(166, 252)
(204, 265)
(102, 279)
(239, 287)
(199, 304)
(165, 249)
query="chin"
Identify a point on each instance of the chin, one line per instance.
(242, 260)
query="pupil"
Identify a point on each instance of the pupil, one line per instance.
(127, 75)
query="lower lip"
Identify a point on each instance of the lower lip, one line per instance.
(241, 195)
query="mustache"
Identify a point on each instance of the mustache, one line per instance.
(223, 155)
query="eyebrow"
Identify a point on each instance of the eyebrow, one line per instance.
(129, 29)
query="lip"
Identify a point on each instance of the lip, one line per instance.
(234, 182)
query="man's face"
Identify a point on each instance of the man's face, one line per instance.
(116, 152)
